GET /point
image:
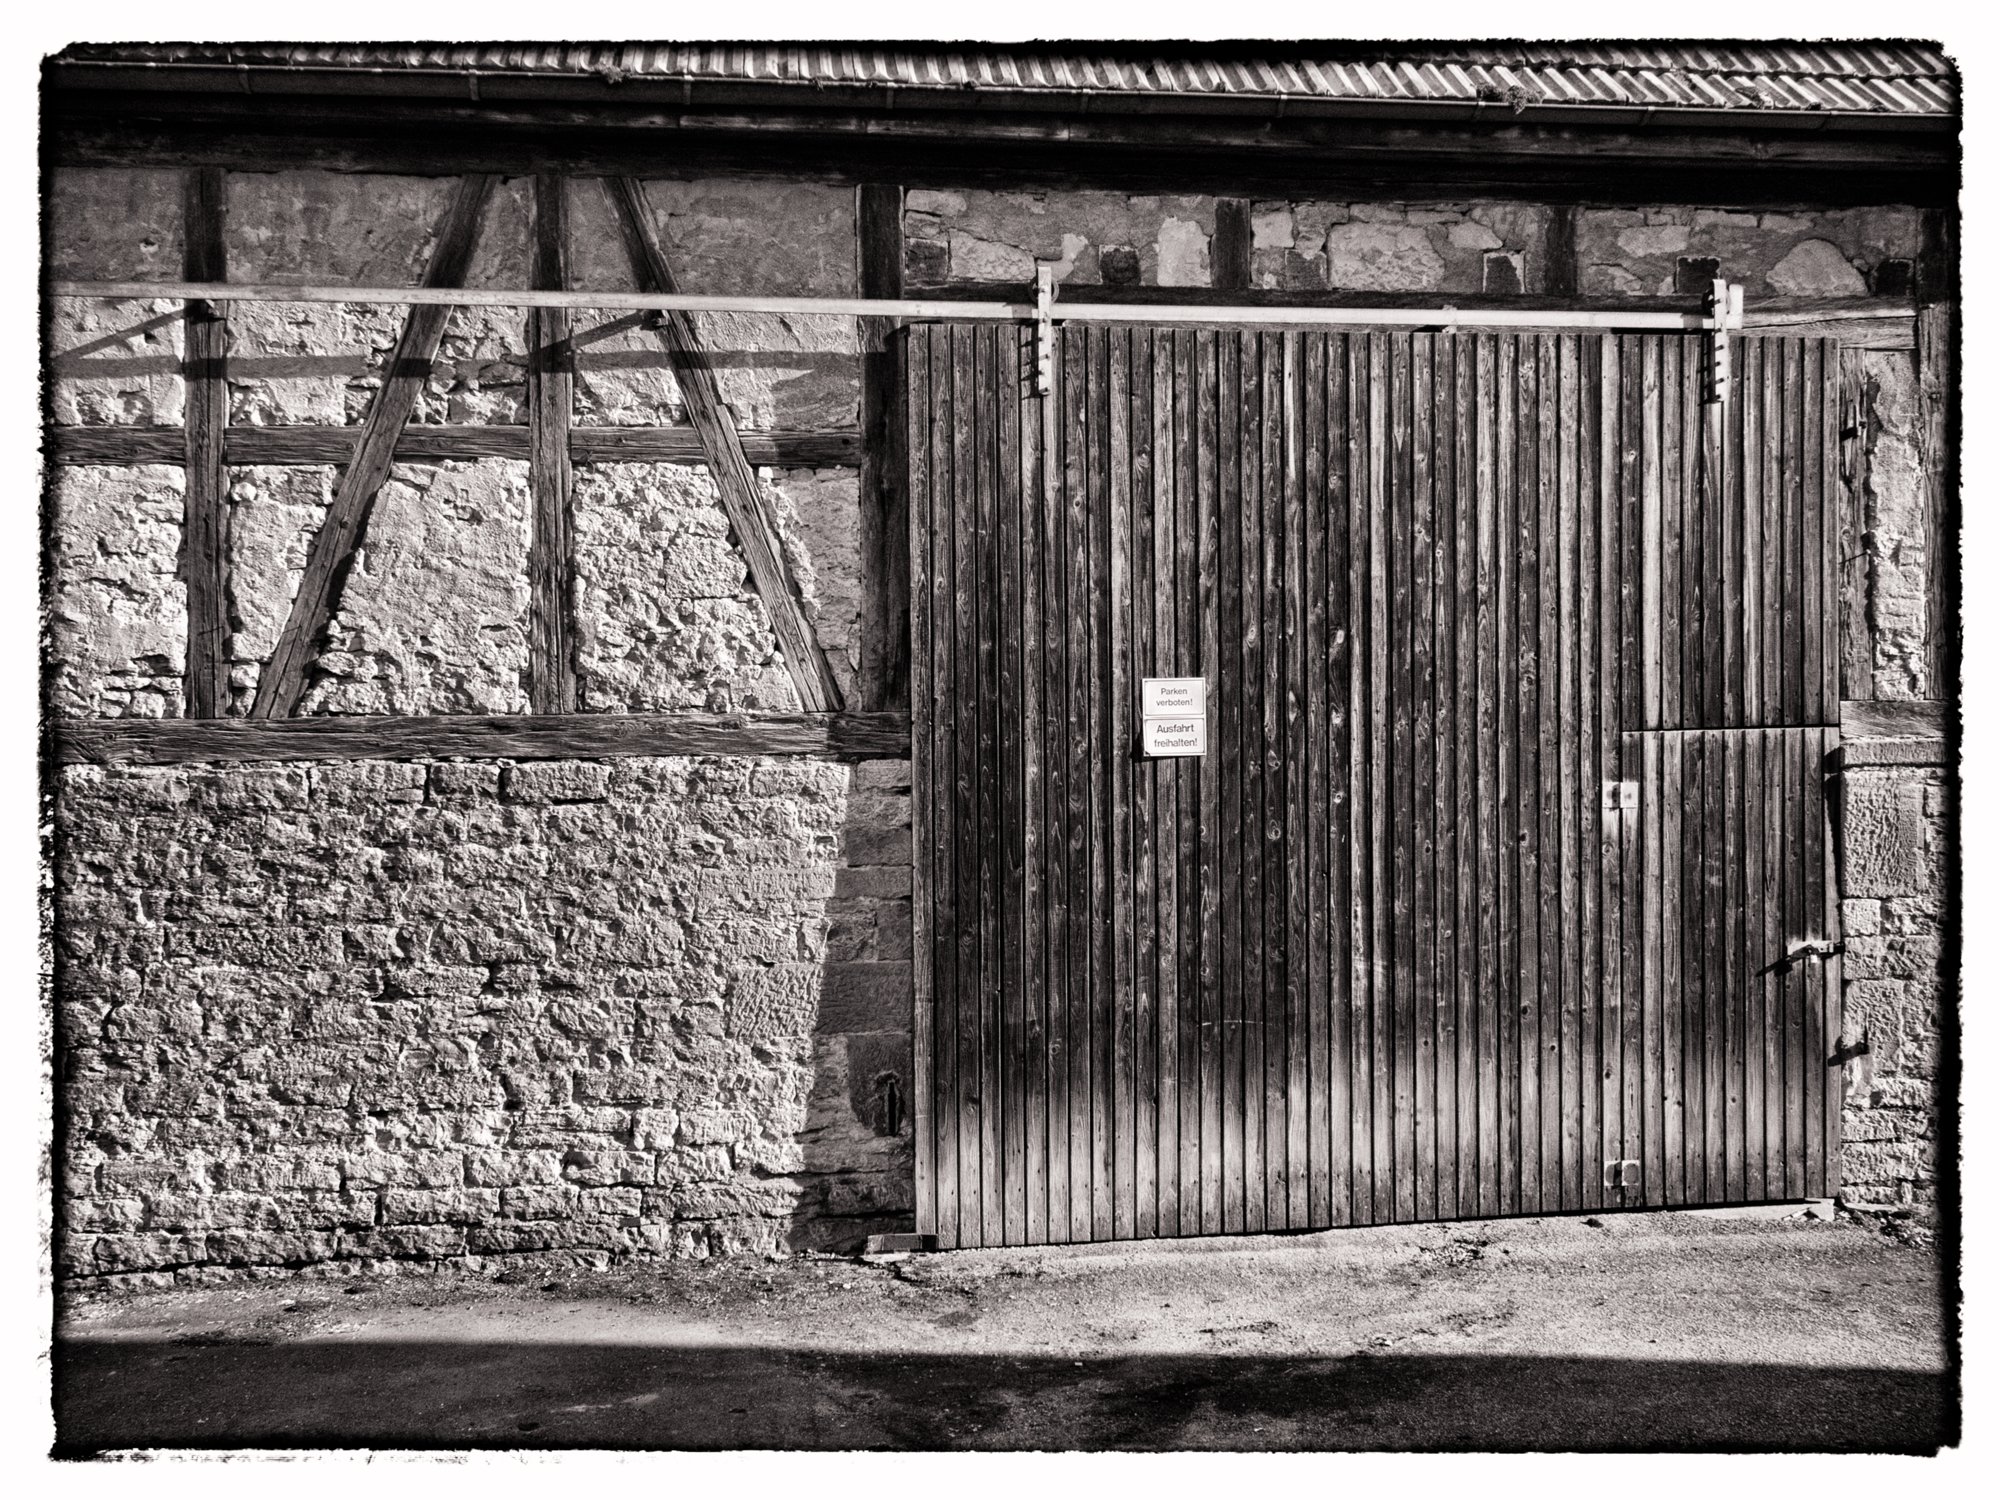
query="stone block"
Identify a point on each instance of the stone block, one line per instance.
(556, 781)
(866, 997)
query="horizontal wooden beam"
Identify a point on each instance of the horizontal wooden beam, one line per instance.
(166, 742)
(784, 448)
(1893, 719)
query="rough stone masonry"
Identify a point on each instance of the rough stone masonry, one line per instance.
(411, 1013)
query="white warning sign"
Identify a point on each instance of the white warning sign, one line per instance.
(1173, 716)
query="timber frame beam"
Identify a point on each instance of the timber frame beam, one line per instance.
(282, 681)
(166, 742)
(743, 498)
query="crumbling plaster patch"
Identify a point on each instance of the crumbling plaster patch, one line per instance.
(117, 608)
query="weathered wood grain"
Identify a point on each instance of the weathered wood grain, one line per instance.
(203, 562)
(551, 377)
(162, 742)
(884, 677)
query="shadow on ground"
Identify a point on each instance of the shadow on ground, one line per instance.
(182, 1393)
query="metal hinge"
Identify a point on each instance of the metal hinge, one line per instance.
(1814, 948)
(1620, 795)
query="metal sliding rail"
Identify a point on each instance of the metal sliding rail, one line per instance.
(901, 307)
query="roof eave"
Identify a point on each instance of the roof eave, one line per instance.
(506, 86)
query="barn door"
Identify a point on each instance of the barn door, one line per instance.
(1397, 946)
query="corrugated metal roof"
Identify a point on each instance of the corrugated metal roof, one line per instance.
(1879, 78)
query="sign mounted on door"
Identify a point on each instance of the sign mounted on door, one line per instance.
(1173, 716)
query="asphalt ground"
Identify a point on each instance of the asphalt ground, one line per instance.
(1660, 1331)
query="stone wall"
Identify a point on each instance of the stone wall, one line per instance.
(367, 1012)
(1897, 853)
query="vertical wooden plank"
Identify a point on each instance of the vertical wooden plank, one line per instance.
(947, 437)
(1470, 1059)
(1119, 689)
(1798, 1060)
(1694, 966)
(1655, 1041)
(1398, 842)
(883, 681)
(1059, 777)
(1014, 984)
(1032, 505)
(1812, 461)
(975, 652)
(1828, 1071)
(1665, 868)
(1509, 690)
(1535, 639)
(1747, 398)
(1267, 1181)
(1769, 911)
(1381, 955)
(1234, 586)
(1598, 1043)
(1581, 1084)
(1295, 852)
(1209, 572)
(1622, 584)
(1271, 755)
(1173, 393)
(1793, 472)
(993, 966)
(1483, 682)
(1152, 818)
(1718, 611)
(1549, 846)
(1777, 633)
(1660, 647)
(1079, 990)
(916, 413)
(1106, 758)
(1715, 963)
(1315, 677)
(1423, 936)
(1446, 732)
(1735, 900)
(1342, 621)
(205, 498)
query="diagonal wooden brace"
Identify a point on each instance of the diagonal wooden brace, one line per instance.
(283, 680)
(743, 498)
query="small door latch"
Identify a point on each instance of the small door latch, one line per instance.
(1814, 948)
(1620, 796)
